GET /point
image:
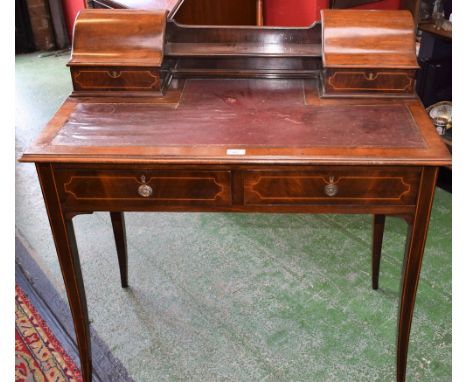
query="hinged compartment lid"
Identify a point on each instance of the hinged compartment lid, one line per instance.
(118, 37)
(368, 39)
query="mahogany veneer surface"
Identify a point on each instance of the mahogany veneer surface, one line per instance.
(241, 49)
(130, 43)
(368, 39)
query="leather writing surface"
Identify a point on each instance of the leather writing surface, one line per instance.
(243, 112)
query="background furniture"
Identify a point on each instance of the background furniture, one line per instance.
(434, 80)
(435, 58)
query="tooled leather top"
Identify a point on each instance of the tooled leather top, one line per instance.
(241, 112)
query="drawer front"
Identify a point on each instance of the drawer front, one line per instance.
(370, 81)
(116, 79)
(141, 188)
(331, 186)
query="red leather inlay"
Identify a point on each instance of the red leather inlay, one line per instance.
(267, 113)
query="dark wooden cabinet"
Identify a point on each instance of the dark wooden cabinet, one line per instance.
(434, 82)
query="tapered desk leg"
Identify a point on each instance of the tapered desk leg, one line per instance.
(377, 238)
(118, 225)
(65, 244)
(416, 240)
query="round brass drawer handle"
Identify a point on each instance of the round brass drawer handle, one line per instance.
(331, 189)
(145, 190)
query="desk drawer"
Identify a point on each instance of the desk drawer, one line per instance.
(369, 81)
(145, 187)
(340, 185)
(96, 79)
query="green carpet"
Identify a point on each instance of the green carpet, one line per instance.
(241, 297)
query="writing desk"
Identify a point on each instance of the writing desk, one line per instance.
(238, 145)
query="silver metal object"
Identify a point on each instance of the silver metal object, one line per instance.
(145, 190)
(440, 125)
(441, 115)
(331, 189)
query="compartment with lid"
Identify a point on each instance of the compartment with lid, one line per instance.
(368, 53)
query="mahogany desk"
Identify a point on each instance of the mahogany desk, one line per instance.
(240, 145)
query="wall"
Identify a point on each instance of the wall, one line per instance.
(305, 12)
(385, 4)
(71, 9)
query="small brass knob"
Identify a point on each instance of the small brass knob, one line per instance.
(331, 189)
(145, 190)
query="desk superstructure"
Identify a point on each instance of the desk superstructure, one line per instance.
(171, 117)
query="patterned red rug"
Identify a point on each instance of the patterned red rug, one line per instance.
(39, 356)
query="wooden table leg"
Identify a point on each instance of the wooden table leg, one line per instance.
(118, 225)
(377, 238)
(416, 240)
(65, 244)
